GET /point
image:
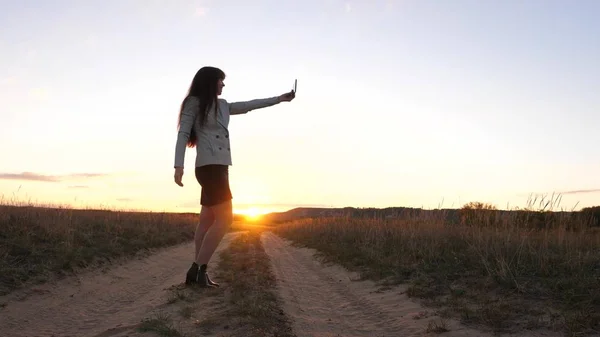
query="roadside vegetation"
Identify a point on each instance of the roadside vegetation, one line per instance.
(38, 242)
(509, 271)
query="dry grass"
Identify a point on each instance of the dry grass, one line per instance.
(245, 305)
(38, 243)
(161, 324)
(492, 268)
(245, 267)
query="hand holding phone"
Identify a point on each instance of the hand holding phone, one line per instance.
(288, 96)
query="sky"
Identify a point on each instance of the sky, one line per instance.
(413, 103)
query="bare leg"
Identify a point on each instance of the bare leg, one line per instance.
(223, 214)
(207, 218)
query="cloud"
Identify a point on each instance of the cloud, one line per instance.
(86, 175)
(48, 178)
(348, 7)
(124, 199)
(27, 176)
(581, 191)
(529, 195)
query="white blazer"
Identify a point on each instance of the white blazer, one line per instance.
(212, 144)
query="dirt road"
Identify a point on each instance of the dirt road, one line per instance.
(99, 304)
(327, 301)
(321, 301)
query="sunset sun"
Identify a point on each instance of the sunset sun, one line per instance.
(253, 213)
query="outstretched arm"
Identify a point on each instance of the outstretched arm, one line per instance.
(237, 108)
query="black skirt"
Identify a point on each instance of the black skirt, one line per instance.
(214, 180)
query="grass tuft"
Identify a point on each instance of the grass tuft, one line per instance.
(438, 327)
(161, 324)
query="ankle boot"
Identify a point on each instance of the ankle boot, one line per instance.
(202, 279)
(209, 281)
(192, 274)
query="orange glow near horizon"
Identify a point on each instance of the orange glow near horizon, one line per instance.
(252, 213)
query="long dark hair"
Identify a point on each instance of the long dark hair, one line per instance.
(203, 87)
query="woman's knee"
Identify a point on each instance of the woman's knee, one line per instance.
(223, 212)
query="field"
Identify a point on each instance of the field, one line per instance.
(508, 271)
(40, 243)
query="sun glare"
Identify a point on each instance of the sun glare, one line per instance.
(252, 213)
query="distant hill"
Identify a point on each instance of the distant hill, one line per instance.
(301, 212)
(352, 212)
(589, 215)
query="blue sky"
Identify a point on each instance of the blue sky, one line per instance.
(400, 103)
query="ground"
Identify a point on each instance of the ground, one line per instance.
(146, 297)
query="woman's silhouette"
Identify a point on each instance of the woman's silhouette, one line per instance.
(203, 123)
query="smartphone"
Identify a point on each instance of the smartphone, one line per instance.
(295, 84)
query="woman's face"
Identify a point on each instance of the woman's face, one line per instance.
(220, 86)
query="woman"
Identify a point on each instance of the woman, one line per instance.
(203, 122)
